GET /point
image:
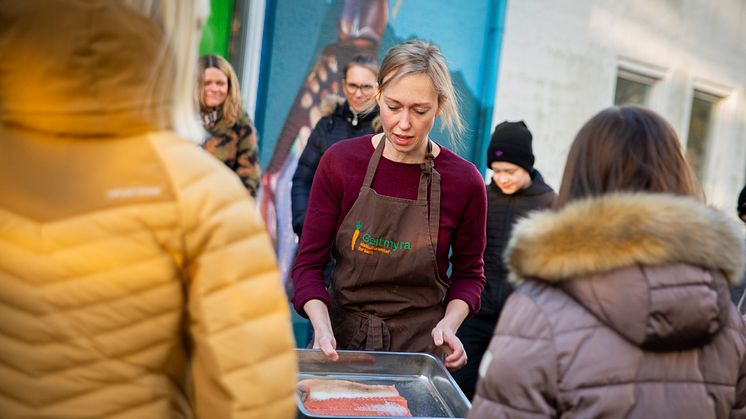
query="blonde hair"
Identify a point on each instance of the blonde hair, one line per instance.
(181, 22)
(233, 104)
(420, 57)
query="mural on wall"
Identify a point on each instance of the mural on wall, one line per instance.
(311, 41)
(360, 28)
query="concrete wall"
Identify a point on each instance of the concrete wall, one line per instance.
(560, 60)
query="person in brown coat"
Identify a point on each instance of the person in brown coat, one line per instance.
(623, 308)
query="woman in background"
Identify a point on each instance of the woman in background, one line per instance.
(136, 276)
(232, 135)
(623, 309)
(352, 116)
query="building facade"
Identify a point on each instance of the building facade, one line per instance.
(563, 61)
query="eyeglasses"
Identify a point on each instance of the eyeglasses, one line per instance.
(365, 89)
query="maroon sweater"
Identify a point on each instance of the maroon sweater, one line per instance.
(335, 188)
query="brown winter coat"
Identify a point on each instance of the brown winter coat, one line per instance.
(623, 312)
(136, 277)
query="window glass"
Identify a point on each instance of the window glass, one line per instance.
(698, 140)
(630, 92)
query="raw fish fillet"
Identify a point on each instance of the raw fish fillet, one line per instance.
(348, 398)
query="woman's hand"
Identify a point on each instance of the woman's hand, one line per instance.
(444, 334)
(445, 338)
(327, 344)
(323, 336)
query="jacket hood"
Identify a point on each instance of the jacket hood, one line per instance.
(84, 68)
(653, 267)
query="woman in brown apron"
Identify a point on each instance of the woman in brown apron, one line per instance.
(387, 292)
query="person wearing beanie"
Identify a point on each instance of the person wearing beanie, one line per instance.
(742, 205)
(511, 142)
(516, 188)
(738, 292)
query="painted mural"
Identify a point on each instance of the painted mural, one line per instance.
(311, 41)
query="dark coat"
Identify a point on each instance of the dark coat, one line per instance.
(623, 312)
(328, 131)
(502, 213)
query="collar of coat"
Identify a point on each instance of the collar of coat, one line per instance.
(538, 186)
(597, 235)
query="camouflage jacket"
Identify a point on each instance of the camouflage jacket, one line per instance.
(236, 146)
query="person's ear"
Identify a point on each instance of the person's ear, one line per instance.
(441, 104)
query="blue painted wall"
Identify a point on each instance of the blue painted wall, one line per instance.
(468, 33)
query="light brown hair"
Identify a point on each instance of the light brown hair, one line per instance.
(232, 105)
(420, 57)
(363, 61)
(627, 148)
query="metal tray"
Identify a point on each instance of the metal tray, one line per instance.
(421, 378)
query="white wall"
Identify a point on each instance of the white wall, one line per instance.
(559, 64)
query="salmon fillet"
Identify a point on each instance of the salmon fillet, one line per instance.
(348, 398)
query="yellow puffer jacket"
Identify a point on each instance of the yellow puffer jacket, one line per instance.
(136, 278)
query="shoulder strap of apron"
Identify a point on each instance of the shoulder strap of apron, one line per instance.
(431, 176)
(373, 163)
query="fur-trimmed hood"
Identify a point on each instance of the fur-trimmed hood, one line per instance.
(653, 267)
(597, 235)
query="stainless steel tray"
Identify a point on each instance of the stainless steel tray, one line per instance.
(421, 378)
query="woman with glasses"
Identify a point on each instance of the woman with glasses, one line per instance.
(348, 117)
(403, 217)
(232, 136)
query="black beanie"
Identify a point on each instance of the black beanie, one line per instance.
(511, 142)
(742, 202)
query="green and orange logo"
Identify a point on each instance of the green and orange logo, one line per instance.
(373, 243)
(356, 234)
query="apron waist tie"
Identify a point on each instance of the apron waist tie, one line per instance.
(375, 332)
(370, 329)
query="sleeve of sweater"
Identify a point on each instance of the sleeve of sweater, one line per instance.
(320, 228)
(469, 240)
(304, 174)
(518, 373)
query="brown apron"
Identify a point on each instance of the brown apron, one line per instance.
(387, 294)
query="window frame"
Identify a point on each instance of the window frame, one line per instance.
(640, 72)
(716, 96)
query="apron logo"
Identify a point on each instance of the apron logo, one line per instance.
(355, 235)
(371, 243)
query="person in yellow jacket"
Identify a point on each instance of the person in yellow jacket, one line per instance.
(136, 278)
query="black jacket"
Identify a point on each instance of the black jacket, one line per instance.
(328, 131)
(502, 213)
